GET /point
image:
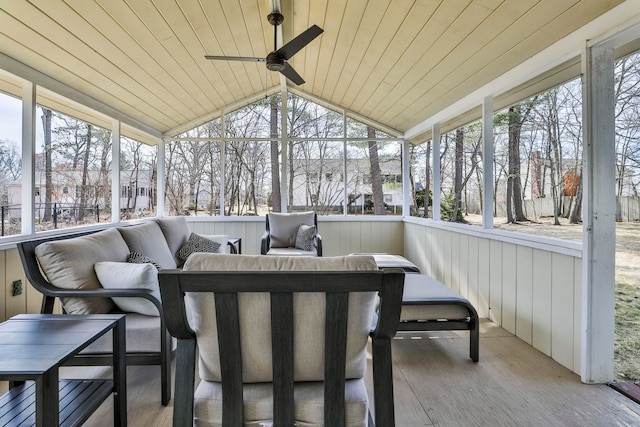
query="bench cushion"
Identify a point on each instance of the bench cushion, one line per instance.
(125, 275)
(255, 321)
(419, 289)
(68, 264)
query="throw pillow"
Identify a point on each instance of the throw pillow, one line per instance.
(138, 258)
(196, 243)
(123, 275)
(304, 237)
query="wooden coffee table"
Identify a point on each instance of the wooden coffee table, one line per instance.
(34, 346)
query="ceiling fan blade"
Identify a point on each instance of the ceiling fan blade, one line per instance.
(235, 58)
(291, 74)
(303, 39)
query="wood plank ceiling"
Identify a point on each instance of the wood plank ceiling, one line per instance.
(395, 61)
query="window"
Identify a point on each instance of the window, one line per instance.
(72, 156)
(36, 191)
(10, 163)
(137, 173)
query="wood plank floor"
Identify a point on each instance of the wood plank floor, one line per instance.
(436, 384)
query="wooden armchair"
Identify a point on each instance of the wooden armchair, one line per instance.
(291, 342)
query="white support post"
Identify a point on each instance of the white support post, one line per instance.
(28, 157)
(599, 214)
(345, 159)
(435, 167)
(284, 194)
(223, 164)
(115, 171)
(406, 188)
(487, 162)
(161, 173)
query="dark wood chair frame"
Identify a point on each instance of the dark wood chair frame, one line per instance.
(162, 357)
(266, 237)
(281, 286)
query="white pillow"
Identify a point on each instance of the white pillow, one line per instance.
(124, 275)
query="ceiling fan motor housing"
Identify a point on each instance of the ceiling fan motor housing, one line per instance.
(275, 62)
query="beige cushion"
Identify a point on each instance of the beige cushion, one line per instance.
(148, 239)
(255, 322)
(68, 264)
(124, 275)
(176, 233)
(142, 335)
(308, 408)
(291, 252)
(283, 227)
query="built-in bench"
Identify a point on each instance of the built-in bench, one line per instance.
(428, 305)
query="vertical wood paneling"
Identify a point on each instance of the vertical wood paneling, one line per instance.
(541, 301)
(463, 265)
(431, 240)
(367, 238)
(484, 277)
(562, 309)
(524, 296)
(445, 265)
(472, 273)
(509, 287)
(454, 263)
(495, 281)
(13, 271)
(577, 315)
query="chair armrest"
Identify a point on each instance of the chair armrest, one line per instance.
(318, 239)
(107, 293)
(266, 243)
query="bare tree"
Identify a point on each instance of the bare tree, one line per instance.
(376, 176)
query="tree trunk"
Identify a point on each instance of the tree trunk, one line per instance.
(46, 127)
(85, 174)
(376, 175)
(515, 210)
(576, 212)
(457, 215)
(276, 197)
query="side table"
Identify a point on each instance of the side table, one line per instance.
(35, 346)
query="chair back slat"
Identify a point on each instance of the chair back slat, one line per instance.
(282, 357)
(230, 358)
(335, 350)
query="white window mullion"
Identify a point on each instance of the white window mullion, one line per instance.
(487, 162)
(115, 171)
(436, 172)
(28, 156)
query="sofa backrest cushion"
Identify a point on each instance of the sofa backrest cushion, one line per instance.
(148, 239)
(68, 264)
(255, 320)
(176, 233)
(283, 227)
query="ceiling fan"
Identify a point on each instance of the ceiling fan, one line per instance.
(277, 60)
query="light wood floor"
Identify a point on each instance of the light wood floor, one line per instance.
(436, 384)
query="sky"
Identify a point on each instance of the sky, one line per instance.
(10, 119)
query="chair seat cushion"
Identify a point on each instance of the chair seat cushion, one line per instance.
(291, 252)
(258, 404)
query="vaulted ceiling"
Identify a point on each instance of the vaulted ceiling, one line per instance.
(397, 62)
